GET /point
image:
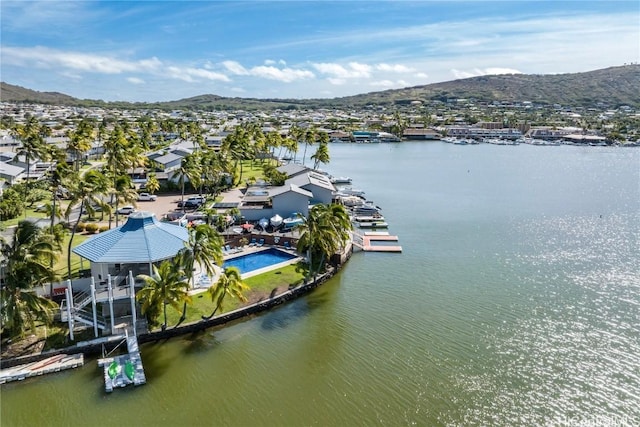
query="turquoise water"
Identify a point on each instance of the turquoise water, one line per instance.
(254, 261)
(514, 303)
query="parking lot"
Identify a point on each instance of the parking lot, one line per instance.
(163, 205)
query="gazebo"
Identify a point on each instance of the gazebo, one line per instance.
(134, 246)
(116, 257)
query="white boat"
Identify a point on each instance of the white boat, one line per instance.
(367, 209)
(350, 201)
(293, 220)
(371, 224)
(340, 180)
(276, 221)
(352, 192)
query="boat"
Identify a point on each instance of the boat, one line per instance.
(380, 224)
(340, 180)
(293, 220)
(264, 223)
(276, 221)
(350, 191)
(369, 222)
(350, 201)
(366, 209)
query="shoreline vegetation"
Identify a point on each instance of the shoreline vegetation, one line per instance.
(259, 300)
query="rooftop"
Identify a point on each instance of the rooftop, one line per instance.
(141, 239)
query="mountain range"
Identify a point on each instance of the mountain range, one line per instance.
(613, 86)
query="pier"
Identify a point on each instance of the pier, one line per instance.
(56, 363)
(367, 242)
(123, 370)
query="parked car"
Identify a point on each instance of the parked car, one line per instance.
(146, 197)
(126, 210)
(193, 202)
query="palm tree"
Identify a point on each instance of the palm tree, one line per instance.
(152, 185)
(87, 191)
(204, 247)
(189, 170)
(80, 140)
(323, 233)
(26, 263)
(31, 135)
(236, 145)
(309, 138)
(295, 134)
(123, 191)
(166, 286)
(321, 155)
(230, 283)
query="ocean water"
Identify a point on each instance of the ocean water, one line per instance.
(515, 302)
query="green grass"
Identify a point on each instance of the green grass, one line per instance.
(30, 213)
(252, 169)
(61, 265)
(201, 304)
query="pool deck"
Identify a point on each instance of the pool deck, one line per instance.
(202, 282)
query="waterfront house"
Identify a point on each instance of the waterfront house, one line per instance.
(317, 184)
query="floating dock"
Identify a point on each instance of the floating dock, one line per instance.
(369, 239)
(51, 364)
(120, 371)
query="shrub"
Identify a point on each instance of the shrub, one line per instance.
(91, 228)
(11, 204)
(80, 227)
(103, 228)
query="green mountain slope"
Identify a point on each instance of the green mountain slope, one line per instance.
(612, 86)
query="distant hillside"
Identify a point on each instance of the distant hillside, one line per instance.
(612, 86)
(11, 93)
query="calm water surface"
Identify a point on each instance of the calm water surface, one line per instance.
(516, 302)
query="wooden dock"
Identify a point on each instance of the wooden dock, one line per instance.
(51, 364)
(369, 239)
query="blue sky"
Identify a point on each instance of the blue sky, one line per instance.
(164, 50)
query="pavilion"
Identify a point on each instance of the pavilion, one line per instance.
(134, 246)
(117, 256)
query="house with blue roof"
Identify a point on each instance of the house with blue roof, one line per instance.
(134, 246)
(117, 256)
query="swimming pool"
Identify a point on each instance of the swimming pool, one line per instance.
(257, 260)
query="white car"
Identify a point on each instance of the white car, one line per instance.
(146, 197)
(126, 210)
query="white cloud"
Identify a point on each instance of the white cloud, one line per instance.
(336, 81)
(383, 83)
(286, 75)
(135, 80)
(269, 62)
(396, 68)
(421, 75)
(335, 70)
(42, 57)
(235, 68)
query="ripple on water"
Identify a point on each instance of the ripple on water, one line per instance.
(575, 357)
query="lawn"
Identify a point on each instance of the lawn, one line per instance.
(261, 285)
(61, 265)
(30, 213)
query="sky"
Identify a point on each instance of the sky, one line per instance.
(150, 51)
